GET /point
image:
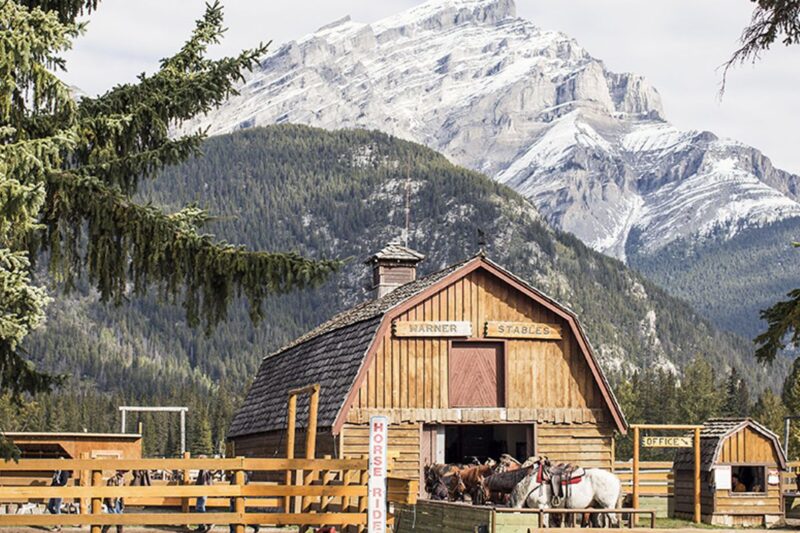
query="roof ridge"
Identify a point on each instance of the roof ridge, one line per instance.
(330, 325)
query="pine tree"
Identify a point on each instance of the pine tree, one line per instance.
(69, 171)
(737, 398)
(791, 401)
(700, 395)
(202, 441)
(769, 411)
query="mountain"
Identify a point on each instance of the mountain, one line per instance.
(531, 108)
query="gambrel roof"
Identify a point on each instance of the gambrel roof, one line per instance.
(337, 353)
(712, 437)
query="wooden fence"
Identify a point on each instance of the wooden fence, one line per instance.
(324, 492)
(655, 477)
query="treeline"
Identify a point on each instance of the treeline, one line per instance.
(334, 194)
(658, 396)
(81, 408)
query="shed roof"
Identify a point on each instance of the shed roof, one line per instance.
(713, 435)
(334, 354)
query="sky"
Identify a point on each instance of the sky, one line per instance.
(678, 45)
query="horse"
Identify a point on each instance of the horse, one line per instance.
(594, 488)
(443, 482)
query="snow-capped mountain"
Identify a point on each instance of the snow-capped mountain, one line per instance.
(529, 107)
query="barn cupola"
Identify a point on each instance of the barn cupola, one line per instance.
(393, 266)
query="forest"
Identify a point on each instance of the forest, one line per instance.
(341, 194)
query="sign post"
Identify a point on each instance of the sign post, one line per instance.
(668, 442)
(378, 441)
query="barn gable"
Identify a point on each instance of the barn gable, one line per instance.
(341, 353)
(546, 381)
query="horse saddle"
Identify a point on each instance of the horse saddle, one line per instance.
(562, 476)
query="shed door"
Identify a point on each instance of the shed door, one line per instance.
(476, 374)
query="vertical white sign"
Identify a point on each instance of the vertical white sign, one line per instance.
(378, 441)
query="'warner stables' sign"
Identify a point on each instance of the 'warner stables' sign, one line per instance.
(522, 330)
(432, 328)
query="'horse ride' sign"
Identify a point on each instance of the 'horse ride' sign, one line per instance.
(431, 328)
(376, 507)
(522, 330)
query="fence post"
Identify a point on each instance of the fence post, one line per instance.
(290, 430)
(185, 481)
(84, 482)
(97, 503)
(238, 503)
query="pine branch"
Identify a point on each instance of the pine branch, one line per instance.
(783, 319)
(128, 241)
(771, 20)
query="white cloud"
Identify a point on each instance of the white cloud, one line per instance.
(676, 44)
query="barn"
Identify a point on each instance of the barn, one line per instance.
(740, 466)
(468, 361)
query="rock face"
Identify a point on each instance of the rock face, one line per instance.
(591, 148)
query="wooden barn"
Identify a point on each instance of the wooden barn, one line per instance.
(468, 361)
(741, 464)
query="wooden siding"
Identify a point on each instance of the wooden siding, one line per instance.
(273, 444)
(586, 445)
(544, 377)
(404, 445)
(121, 446)
(748, 447)
(723, 507)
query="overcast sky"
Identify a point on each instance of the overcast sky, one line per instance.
(677, 44)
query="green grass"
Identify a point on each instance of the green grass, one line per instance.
(676, 523)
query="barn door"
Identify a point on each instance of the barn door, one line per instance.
(431, 451)
(476, 374)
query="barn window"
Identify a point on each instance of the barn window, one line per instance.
(751, 479)
(476, 374)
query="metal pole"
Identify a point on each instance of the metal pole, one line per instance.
(122, 430)
(786, 423)
(183, 432)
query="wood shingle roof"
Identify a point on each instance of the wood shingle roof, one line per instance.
(329, 354)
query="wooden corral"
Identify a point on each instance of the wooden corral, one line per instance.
(329, 492)
(76, 445)
(468, 361)
(733, 447)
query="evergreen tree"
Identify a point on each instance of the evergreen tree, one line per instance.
(69, 171)
(737, 398)
(783, 322)
(202, 441)
(700, 395)
(769, 411)
(791, 401)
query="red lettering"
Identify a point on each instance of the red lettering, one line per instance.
(377, 492)
(377, 438)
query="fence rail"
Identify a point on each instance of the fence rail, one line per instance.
(322, 492)
(655, 477)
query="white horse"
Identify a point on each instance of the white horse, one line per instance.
(597, 488)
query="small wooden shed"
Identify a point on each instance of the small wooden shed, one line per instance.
(467, 361)
(53, 445)
(740, 467)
